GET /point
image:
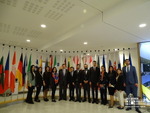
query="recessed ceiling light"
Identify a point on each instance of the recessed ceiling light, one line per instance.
(84, 11)
(116, 49)
(61, 50)
(28, 40)
(43, 25)
(142, 25)
(85, 43)
(88, 54)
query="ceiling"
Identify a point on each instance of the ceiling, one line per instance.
(103, 24)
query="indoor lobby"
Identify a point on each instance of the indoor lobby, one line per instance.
(74, 56)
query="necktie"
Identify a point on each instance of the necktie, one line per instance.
(128, 69)
(86, 72)
(64, 72)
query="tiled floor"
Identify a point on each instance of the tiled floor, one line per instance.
(62, 107)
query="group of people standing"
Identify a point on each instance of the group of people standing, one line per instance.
(94, 79)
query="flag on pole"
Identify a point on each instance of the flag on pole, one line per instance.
(6, 82)
(69, 63)
(24, 69)
(110, 64)
(37, 63)
(130, 59)
(29, 64)
(104, 61)
(90, 60)
(124, 60)
(40, 63)
(119, 65)
(46, 62)
(1, 76)
(65, 61)
(55, 62)
(98, 62)
(13, 73)
(115, 65)
(51, 61)
(19, 72)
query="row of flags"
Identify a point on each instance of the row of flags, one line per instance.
(8, 76)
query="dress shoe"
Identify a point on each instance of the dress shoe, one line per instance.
(96, 102)
(60, 99)
(120, 108)
(93, 102)
(129, 108)
(37, 100)
(83, 100)
(53, 100)
(89, 101)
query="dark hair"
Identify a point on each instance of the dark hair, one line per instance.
(54, 68)
(46, 68)
(103, 67)
(109, 69)
(63, 64)
(126, 59)
(72, 68)
(39, 69)
(32, 71)
(94, 61)
(117, 70)
(78, 64)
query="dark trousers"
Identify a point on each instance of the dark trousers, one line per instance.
(94, 91)
(132, 89)
(63, 91)
(29, 95)
(86, 90)
(103, 92)
(38, 90)
(78, 91)
(53, 91)
(71, 91)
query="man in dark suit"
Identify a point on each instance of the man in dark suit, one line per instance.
(86, 82)
(78, 82)
(71, 84)
(131, 81)
(63, 81)
(94, 79)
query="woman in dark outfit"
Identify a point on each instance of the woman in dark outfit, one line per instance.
(120, 88)
(38, 82)
(46, 82)
(54, 82)
(31, 84)
(111, 85)
(103, 81)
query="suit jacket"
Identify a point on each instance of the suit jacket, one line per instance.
(119, 83)
(94, 75)
(86, 76)
(78, 76)
(71, 77)
(30, 80)
(131, 76)
(38, 79)
(63, 79)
